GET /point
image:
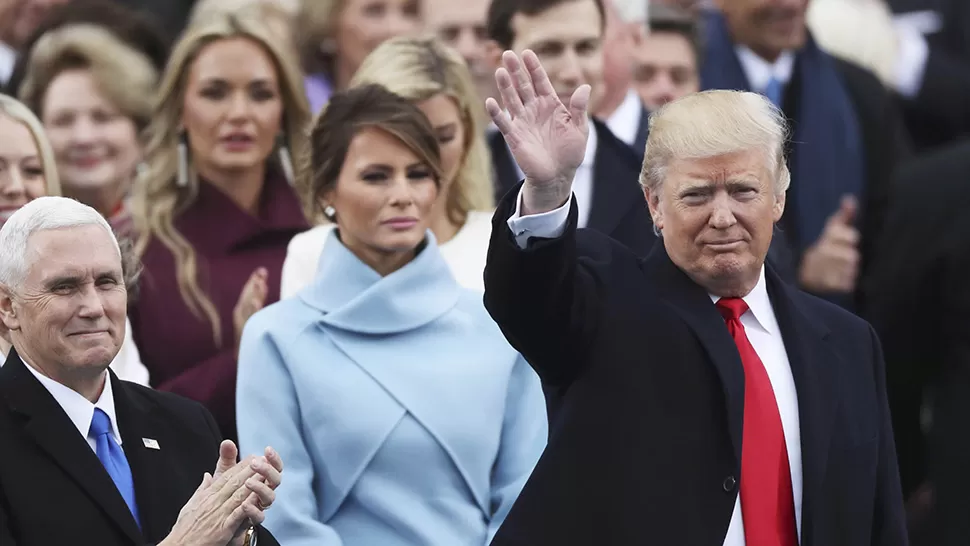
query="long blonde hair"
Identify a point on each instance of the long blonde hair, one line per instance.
(419, 68)
(157, 199)
(17, 111)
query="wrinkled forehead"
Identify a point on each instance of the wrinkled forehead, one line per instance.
(85, 251)
(748, 166)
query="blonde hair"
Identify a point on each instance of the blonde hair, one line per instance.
(713, 123)
(125, 75)
(157, 199)
(272, 12)
(418, 69)
(17, 111)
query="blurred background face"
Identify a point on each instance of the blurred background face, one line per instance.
(70, 310)
(768, 27)
(19, 18)
(383, 197)
(96, 146)
(364, 24)
(567, 38)
(21, 170)
(664, 69)
(461, 25)
(233, 107)
(445, 117)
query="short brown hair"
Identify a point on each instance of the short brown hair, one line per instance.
(349, 112)
(498, 22)
(674, 20)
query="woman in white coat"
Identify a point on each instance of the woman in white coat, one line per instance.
(436, 79)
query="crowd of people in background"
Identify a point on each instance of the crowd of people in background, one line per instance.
(303, 194)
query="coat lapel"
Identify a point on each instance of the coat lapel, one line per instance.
(149, 467)
(694, 305)
(615, 181)
(54, 432)
(815, 368)
(643, 131)
(505, 171)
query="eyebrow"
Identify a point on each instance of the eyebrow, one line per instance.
(708, 188)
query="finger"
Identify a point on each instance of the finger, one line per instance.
(506, 87)
(238, 516)
(273, 458)
(263, 491)
(578, 105)
(253, 512)
(540, 79)
(499, 117)
(267, 471)
(847, 211)
(227, 457)
(843, 235)
(234, 478)
(521, 76)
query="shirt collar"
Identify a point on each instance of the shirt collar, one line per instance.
(625, 120)
(8, 59)
(759, 305)
(760, 71)
(78, 408)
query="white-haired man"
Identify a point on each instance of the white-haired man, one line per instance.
(88, 458)
(700, 399)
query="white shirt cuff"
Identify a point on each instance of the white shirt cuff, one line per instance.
(910, 61)
(548, 225)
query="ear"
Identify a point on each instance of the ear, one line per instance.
(8, 312)
(779, 207)
(653, 203)
(493, 54)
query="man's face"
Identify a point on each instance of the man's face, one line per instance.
(68, 316)
(461, 25)
(567, 38)
(19, 18)
(664, 69)
(717, 216)
(768, 27)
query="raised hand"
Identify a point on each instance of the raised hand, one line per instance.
(546, 137)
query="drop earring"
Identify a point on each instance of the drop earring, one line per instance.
(286, 160)
(183, 158)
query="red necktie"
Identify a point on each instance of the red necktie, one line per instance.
(767, 504)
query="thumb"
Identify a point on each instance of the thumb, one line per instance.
(227, 457)
(579, 103)
(847, 211)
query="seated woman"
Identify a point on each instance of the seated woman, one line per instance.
(436, 79)
(94, 94)
(28, 171)
(403, 415)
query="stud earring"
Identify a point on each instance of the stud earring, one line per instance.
(183, 153)
(330, 213)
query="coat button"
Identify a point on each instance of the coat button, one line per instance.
(729, 484)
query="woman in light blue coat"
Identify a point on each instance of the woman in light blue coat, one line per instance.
(402, 414)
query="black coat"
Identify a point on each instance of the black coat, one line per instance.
(53, 488)
(645, 443)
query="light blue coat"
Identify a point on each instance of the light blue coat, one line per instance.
(402, 415)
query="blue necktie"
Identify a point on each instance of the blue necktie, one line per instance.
(774, 91)
(113, 459)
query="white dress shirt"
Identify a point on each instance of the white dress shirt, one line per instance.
(761, 327)
(78, 408)
(8, 59)
(760, 71)
(625, 120)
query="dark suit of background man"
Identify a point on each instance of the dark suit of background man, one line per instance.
(919, 303)
(567, 35)
(846, 136)
(87, 458)
(703, 401)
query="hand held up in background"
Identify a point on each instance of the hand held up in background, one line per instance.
(831, 265)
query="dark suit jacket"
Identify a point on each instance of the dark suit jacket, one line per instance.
(53, 488)
(619, 208)
(645, 448)
(919, 302)
(940, 113)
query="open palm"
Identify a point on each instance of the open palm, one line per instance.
(546, 138)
